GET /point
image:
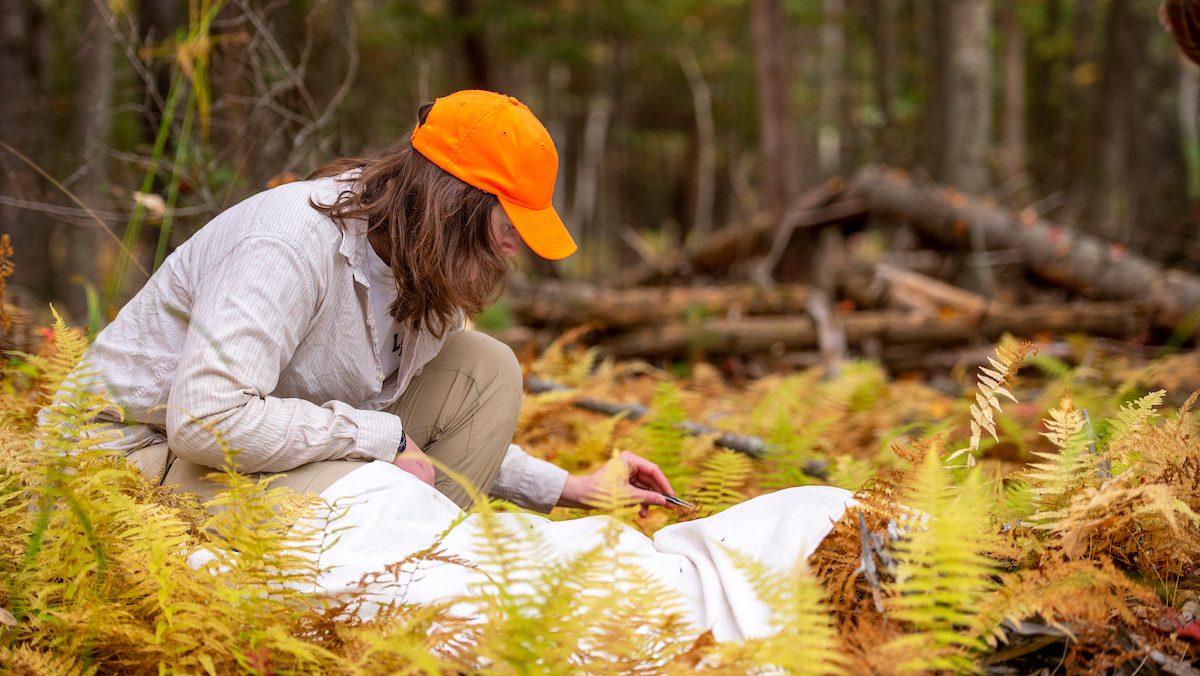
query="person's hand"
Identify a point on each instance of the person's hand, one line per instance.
(642, 479)
(414, 461)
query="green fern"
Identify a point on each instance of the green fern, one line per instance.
(944, 572)
(1132, 419)
(661, 438)
(719, 483)
(806, 641)
(796, 446)
(850, 472)
(1020, 501)
(1065, 472)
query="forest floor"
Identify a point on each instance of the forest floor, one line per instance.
(1068, 539)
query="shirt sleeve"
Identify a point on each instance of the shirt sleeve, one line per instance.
(527, 481)
(249, 313)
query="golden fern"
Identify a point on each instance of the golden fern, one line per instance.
(569, 614)
(1084, 593)
(993, 384)
(721, 478)
(944, 573)
(595, 438)
(806, 641)
(565, 362)
(30, 662)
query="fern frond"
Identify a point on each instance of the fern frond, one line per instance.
(1098, 522)
(719, 483)
(944, 572)
(661, 438)
(850, 472)
(993, 384)
(1083, 593)
(1062, 473)
(69, 347)
(25, 660)
(805, 641)
(565, 362)
(1134, 416)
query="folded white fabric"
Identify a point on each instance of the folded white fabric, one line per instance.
(390, 515)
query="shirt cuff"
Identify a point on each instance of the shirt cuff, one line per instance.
(529, 482)
(378, 437)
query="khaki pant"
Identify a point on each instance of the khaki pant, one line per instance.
(461, 411)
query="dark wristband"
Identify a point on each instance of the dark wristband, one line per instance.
(403, 443)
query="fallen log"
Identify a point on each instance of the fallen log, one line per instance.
(728, 246)
(563, 304)
(1080, 262)
(741, 241)
(928, 295)
(762, 334)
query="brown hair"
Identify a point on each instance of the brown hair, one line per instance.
(441, 247)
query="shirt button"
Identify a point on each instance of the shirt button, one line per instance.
(379, 377)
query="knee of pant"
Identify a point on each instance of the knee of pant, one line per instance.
(490, 361)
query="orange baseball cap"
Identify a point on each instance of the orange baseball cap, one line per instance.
(494, 142)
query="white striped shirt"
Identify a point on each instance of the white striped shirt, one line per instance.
(256, 328)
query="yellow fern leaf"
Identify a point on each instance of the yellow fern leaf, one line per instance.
(993, 384)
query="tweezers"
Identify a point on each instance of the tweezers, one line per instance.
(672, 500)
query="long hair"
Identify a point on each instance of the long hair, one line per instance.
(443, 254)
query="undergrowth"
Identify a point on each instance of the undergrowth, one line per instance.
(1083, 522)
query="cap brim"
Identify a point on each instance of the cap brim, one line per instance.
(541, 229)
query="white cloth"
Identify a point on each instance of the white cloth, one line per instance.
(257, 328)
(381, 294)
(391, 515)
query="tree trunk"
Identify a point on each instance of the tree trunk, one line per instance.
(589, 174)
(1077, 261)
(92, 125)
(884, 17)
(1012, 149)
(1111, 195)
(966, 94)
(22, 120)
(706, 141)
(833, 76)
(1189, 123)
(929, 22)
(474, 47)
(773, 82)
(967, 112)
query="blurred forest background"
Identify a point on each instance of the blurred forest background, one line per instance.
(672, 118)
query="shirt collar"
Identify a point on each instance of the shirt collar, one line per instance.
(354, 234)
(354, 248)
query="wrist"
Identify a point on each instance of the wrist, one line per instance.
(572, 492)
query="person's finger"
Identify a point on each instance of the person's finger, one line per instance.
(647, 497)
(647, 474)
(658, 479)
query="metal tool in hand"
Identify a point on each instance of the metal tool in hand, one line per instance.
(672, 500)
